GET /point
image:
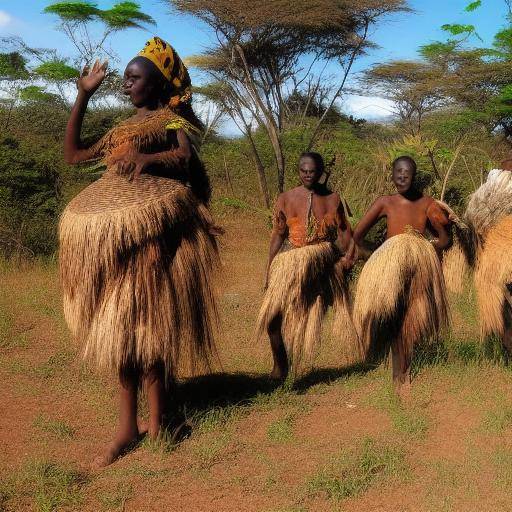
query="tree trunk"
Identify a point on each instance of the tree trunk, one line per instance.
(262, 179)
(270, 122)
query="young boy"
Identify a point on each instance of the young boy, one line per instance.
(310, 245)
(400, 295)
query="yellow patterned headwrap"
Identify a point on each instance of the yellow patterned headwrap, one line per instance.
(165, 58)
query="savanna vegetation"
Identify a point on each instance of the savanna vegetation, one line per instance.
(338, 439)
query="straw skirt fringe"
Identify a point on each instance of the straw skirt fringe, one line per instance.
(400, 297)
(136, 275)
(493, 277)
(303, 282)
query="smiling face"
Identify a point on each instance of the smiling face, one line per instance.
(403, 176)
(141, 82)
(308, 172)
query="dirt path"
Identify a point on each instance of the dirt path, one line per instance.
(338, 442)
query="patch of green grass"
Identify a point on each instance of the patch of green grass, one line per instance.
(56, 428)
(164, 443)
(56, 363)
(117, 498)
(14, 365)
(353, 473)
(209, 449)
(405, 418)
(498, 420)
(209, 420)
(281, 430)
(281, 397)
(502, 460)
(49, 486)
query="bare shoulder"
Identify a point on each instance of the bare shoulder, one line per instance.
(333, 199)
(437, 213)
(385, 200)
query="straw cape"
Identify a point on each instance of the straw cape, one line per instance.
(400, 297)
(485, 247)
(135, 262)
(303, 283)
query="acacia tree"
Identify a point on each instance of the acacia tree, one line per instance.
(264, 52)
(453, 74)
(415, 88)
(76, 18)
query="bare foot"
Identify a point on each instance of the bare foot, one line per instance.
(403, 389)
(278, 373)
(120, 445)
(142, 426)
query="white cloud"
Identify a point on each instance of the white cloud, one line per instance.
(5, 19)
(367, 107)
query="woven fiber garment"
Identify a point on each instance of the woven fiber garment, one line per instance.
(491, 201)
(400, 297)
(136, 260)
(303, 283)
(493, 277)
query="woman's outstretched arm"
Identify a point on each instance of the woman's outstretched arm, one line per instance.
(87, 84)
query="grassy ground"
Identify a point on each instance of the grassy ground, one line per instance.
(336, 441)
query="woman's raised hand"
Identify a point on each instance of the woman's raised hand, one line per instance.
(91, 78)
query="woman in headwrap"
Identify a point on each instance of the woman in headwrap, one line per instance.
(310, 246)
(484, 244)
(137, 247)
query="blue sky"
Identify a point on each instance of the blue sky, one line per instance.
(398, 36)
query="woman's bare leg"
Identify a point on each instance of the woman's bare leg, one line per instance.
(155, 390)
(127, 430)
(280, 369)
(401, 363)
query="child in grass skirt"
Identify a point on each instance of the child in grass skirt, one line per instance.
(400, 295)
(136, 247)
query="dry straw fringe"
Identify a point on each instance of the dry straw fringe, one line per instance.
(137, 281)
(493, 272)
(303, 282)
(461, 255)
(490, 202)
(400, 296)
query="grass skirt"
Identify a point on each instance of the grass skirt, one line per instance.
(400, 297)
(493, 277)
(490, 202)
(303, 283)
(135, 264)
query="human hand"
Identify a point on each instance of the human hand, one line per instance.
(128, 161)
(91, 78)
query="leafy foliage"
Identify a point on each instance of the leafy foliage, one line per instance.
(13, 65)
(56, 70)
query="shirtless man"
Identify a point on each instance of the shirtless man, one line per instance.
(314, 242)
(408, 208)
(395, 303)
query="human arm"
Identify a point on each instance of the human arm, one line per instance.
(345, 241)
(370, 218)
(279, 233)
(88, 83)
(133, 163)
(439, 220)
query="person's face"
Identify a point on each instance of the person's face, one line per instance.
(138, 84)
(308, 172)
(403, 176)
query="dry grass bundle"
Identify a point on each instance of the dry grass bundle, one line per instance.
(400, 296)
(493, 273)
(491, 202)
(303, 282)
(135, 264)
